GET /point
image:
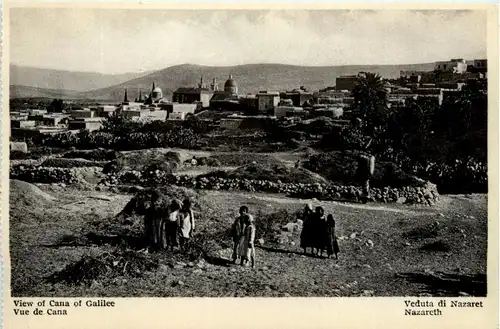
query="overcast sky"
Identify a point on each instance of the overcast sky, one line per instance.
(118, 41)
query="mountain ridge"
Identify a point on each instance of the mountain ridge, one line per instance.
(250, 78)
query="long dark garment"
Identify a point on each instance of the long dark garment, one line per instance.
(171, 228)
(307, 234)
(320, 233)
(332, 246)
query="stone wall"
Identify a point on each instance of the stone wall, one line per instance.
(426, 193)
(52, 175)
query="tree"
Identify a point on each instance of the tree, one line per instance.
(57, 105)
(120, 126)
(463, 120)
(370, 103)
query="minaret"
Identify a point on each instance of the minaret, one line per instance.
(214, 85)
(125, 100)
(140, 95)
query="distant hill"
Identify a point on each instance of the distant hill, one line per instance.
(250, 78)
(17, 91)
(66, 80)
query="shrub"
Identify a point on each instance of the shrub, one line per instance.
(19, 155)
(210, 162)
(114, 166)
(166, 167)
(341, 167)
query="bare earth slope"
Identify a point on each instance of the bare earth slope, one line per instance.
(381, 250)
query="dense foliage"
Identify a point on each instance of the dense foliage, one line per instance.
(445, 143)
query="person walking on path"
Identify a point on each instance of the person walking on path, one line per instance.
(307, 234)
(237, 231)
(186, 223)
(332, 246)
(247, 246)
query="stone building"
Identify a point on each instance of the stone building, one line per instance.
(346, 82)
(458, 66)
(267, 100)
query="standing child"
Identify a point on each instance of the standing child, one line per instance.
(171, 224)
(186, 223)
(247, 246)
(237, 231)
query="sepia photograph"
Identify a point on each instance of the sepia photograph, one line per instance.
(247, 153)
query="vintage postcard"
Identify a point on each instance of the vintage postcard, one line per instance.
(249, 165)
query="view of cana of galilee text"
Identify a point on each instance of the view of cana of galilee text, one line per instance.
(248, 153)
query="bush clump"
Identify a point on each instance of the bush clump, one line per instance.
(114, 264)
(341, 167)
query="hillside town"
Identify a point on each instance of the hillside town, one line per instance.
(228, 109)
(250, 153)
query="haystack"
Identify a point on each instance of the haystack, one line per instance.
(158, 201)
(106, 265)
(142, 202)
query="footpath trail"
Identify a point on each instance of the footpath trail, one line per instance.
(339, 205)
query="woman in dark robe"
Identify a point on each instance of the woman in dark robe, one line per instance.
(307, 234)
(319, 231)
(332, 246)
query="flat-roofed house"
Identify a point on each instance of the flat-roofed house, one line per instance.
(89, 124)
(268, 100)
(192, 95)
(457, 65)
(346, 82)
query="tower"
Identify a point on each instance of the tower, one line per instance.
(125, 99)
(214, 86)
(201, 85)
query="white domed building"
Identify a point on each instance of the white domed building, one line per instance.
(156, 96)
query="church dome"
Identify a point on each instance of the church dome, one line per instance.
(157, 90)
(231, 86)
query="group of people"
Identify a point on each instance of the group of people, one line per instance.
(174, 227)
(171, 228)
(318, 232)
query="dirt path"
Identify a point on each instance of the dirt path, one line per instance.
(373, 240)
(357, 207)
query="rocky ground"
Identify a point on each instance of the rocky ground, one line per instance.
(386, 249)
